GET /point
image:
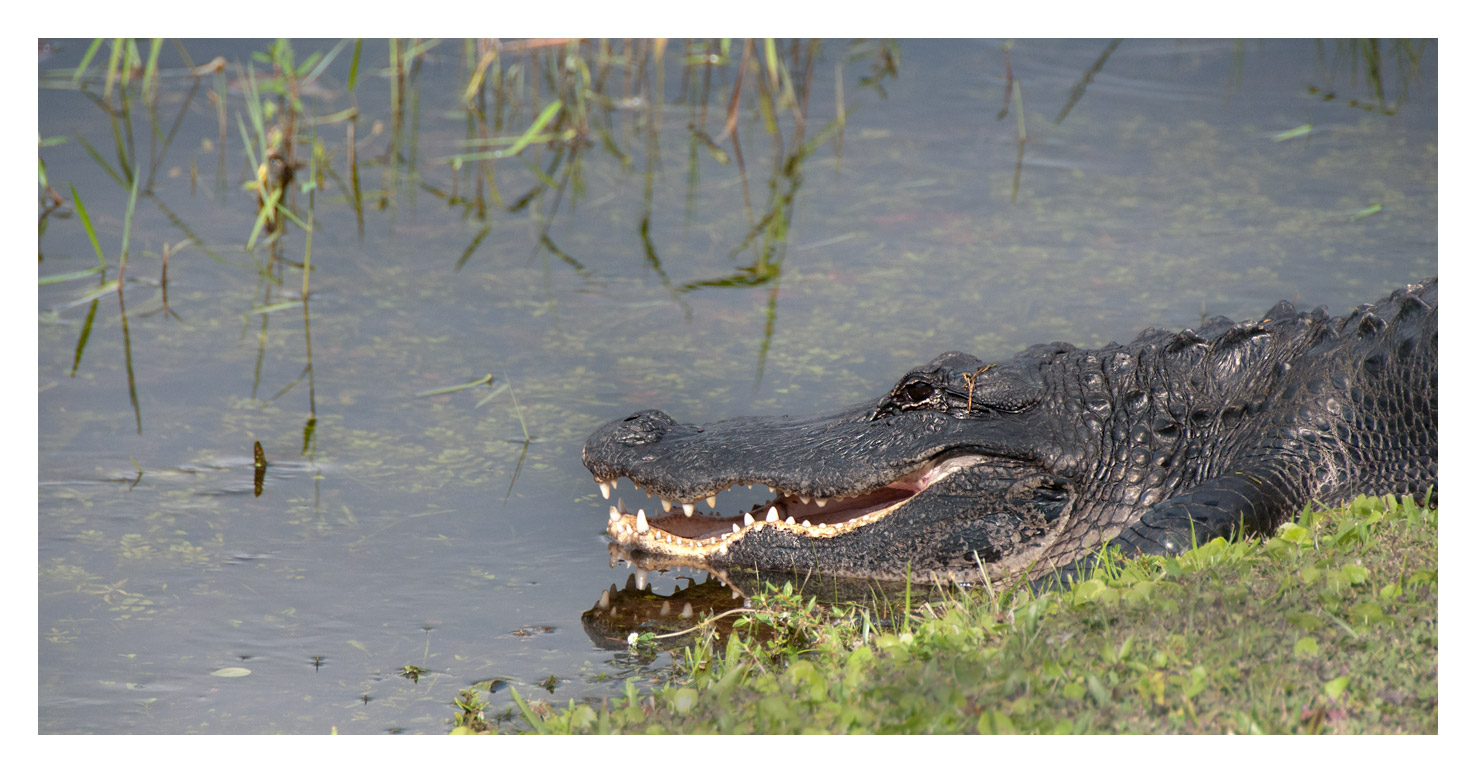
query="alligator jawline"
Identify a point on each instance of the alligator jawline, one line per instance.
(698, 535)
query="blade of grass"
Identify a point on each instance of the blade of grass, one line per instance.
(290, 216)
(346, 114)
(131, 59)
(151, 72)
(55, 278)
(1291, 134)
(307, 251)
(543, 177)
(326, 60)
(542, 120)
(123, 145)
(253, 108)
(528, 713)
(173, 129)
(1079, 90)
(114, 58)
(246, 140)
(128, 361)
(87, 225)
(495, 391)
(771, 59)
(96, 156)
(97, 292)
(267, 207)
(82, 339)
(471, 248)
(271, 307)
(86, 60)
(524, 424)
(487, 379)
(353, 76)
(127, 228)
(840, 109)
(478, 76)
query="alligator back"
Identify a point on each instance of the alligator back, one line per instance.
(1311, 409)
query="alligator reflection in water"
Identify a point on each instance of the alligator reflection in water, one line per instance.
(639, 608)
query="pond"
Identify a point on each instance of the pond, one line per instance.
(324, 238)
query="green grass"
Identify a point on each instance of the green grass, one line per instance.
(1328, 627)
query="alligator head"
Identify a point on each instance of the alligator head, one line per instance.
(936, 477)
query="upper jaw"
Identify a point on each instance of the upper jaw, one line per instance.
(835, 455)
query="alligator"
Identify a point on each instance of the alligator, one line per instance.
(1026, 468)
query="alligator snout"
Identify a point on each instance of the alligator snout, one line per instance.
(642, 428)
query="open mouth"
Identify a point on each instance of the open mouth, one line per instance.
(692, 530)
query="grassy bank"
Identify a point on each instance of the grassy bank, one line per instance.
(1329, 627)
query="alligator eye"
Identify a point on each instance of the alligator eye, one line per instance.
(919, 392)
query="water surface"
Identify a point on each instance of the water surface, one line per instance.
(1189, 179)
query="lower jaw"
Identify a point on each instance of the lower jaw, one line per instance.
(625, 530)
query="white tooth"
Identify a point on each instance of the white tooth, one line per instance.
(641, 579)
(747, 519)
(665, 608)
(770, 488)
(712, 501)
(806, 523)
(689, 508)
(641, 526)
(666, 505)
(736, 594)
(687, 609)
(614, 483)
(735, 528)
(605, 489)
(819, 501)
(773, 515)
(604, 599)
(805, 500)
(614, 514)
(789, 520)
(620, 503)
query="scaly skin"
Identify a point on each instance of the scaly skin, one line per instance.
(1029, 465)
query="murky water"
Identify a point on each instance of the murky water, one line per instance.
(394, 529)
